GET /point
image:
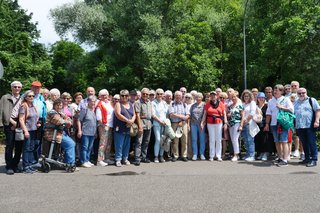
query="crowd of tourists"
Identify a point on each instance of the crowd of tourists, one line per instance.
(158, 126)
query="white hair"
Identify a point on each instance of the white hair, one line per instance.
(55, 91)
(168, 92)
(103, 92)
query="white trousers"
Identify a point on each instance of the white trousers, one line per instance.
(215, 137)
(234, 136)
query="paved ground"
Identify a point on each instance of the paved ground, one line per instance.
(169, 187)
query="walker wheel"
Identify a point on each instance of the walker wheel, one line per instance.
(45, 167)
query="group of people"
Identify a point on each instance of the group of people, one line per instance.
(200, 126)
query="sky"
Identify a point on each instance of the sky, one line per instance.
(40, 10)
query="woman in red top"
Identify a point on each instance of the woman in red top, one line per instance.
(214, 116)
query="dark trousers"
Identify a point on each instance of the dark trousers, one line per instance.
(309, 142)
(141, 145)
(12, 146)
(30, 150)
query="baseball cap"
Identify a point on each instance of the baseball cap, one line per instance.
(36, 84)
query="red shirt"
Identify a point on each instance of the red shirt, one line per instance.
(218, 112)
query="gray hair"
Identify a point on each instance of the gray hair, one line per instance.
(159, 90)
(55, 91)
(168, 92)
(16, 83)
(92, 98)
(103, 92)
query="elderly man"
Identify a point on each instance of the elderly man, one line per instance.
(168, 97)
(307, 113)
(84, 102)
(143, 109)
(9, 108)
(179, 115)
(268, 92)
(104, 113)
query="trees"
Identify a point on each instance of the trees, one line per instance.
(22, 57)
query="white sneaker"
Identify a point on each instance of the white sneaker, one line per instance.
(202, 157)
(118, 164)
(219, 159)
(194, 157)
(296, 154)
(90, 163)
(210, 159)
(127, 163)
(86, 165)
(156, 160)
(101, 163)
(249, 159)
(234, 159)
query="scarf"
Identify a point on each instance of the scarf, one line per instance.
(104, 112)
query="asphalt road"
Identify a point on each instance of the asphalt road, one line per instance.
(170, 187)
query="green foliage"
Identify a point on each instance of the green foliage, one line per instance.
(23, 58)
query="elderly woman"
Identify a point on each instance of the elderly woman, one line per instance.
(160, 111)
(87, 128)
(213, 116)
(28, 119)
(263, 140)
(235, 113)
(123, 120)
(56, 118)
(249, 106)
(196, 113)
(280, 135)
(188, 100)
(104, 113)
(115, 99)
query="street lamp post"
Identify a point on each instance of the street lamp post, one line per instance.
(244, 47)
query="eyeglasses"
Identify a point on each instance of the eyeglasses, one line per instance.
(145, 94)
(301, 93)
(222, 98)
(65, 98)
(159, 93)
(16, 87)
(124, 95)
(152, 94)
(30, 96)
(188, 97)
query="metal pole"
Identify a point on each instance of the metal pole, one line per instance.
(245, 47)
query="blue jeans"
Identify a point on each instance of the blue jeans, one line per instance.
(68, 145)
(86, 148)
(195, 134)
(29, 150)
(309, 142)
(122, 145)
(157, 135)
(248, 142)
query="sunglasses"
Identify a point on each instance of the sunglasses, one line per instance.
(301, 93)
(16, 87)
(222, 98)
(30, 96)
(159, 93)
(188, 97)
(124, 95)
(145, 94)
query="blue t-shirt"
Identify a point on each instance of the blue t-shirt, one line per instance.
(303, 112)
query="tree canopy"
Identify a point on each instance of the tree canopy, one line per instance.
(167, 44)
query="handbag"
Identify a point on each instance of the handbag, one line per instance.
(134, 127)
(133, 130)
(257, 117)
(18, 135)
